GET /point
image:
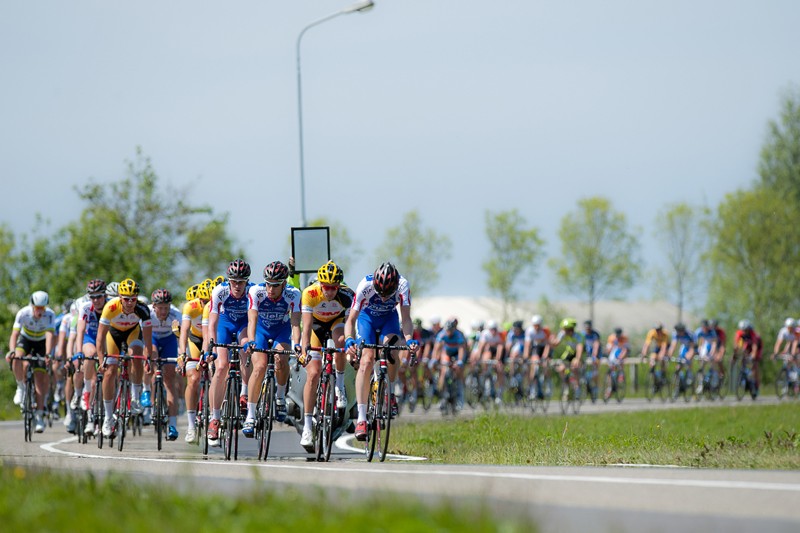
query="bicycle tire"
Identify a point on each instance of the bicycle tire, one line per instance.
(650, 386)
(98, 412)
(577, 395)
(385, 419)
(547, 392)
(329, 419)
(665, 388)
(205, 409)
(266, 413)
(27, 410)
(122, 417)
(427, 394)
(157, 411)
(226, 424)
(78, 415)
(372, 408)
(318, 416)
(741, 386)
(722, 390)
(471, 390)
(782, 384)
(622, 386)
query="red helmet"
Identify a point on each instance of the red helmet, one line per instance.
(276, 271)
(386, 279)
(95, 286)
(161, 296)
(239, 270)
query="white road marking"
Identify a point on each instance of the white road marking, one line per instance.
(684, 483)
(343, 444)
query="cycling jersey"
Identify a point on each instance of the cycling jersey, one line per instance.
(377, 314)
(746, 340)
(515, 339)
(193, 314)
(232, 312)
(91, 317)
(616, 345)
(656, 339)
(685, 340)
(538, 339)
(589, 339)
(116, 318)
(163, 328)
(571, 342)
(274, 316)
(787, 334)
(705, 339)
(32, 328)
(314, 302)
(451, 342)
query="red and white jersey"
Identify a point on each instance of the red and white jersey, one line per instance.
(368, 301)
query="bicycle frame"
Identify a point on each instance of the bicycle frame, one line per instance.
(265, 407)
(232, 420)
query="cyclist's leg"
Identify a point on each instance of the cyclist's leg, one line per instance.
(258, 361)
(365, 331)
(245, 369)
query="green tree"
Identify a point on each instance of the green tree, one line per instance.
(754, 256)
(515, 252)
(416, 251)
(600, 256)
(343, 248)
(779, 164)
(681, 233)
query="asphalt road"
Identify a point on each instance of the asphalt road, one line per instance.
(559, 498)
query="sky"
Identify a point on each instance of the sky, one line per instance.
(451, 107)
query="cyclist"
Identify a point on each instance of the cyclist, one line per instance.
(706, 342)
(592, 350)
(450, 344)
(618, 347)
(227, 322)
(573, 343)
(786, 340)
(722, 338)
(124, 320)
(190, 346)
(491, 348)
(165, 344)
(748, 342)
(33, 334)
(62, 356)
(273, 314)
(89, 314)
(683, 341)
(655, 347)
(374, 308)
(515, 341)
(537, 346)
(422, 336)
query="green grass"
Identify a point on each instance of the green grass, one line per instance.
(750, 436)
(46, 501)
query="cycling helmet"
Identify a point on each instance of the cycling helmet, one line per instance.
(417, 322)
(713, 323)
(238, 270)
(450, 325)
(658, 326)
(203, 291)
(276, 271)
(476, 325)
(491, 325)
(66, 307)
(790, 323)
(95, 286)
(330, 274)
(680, 326)
(161, 296)
(191, 293)
(587, 323)
(569, 323)
(112, 289)
(745, 325)
(435, 320)
(40, 299)
(536, 320)
(704, 323)
(128, 287)
(386, 280)
(218, 280)
(617, 331)
(517, 324)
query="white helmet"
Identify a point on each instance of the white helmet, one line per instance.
(112, 289)
(744, 324)
(491, 325)
(536, 320)
(435, 320)
(790, 323)
(40, 299)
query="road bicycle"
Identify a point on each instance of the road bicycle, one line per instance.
(472, 387)
(449, 393)
(160, 407)
(542, 386)
(589, 375)
(28, 405)
(266, 405)
(232, 418)
(615, 381)
(682, 379)
(206, 368)
(325, 412)
(379, 401)
(571, 395)
(711, 383)
(518, 385)
(746, 380)
(79, 415)
(122, 402)
(787, 382)
(657, 384)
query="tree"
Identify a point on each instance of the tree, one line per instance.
(343, 249)
(681, 233)
(416, 251)
(599, 255)
(754, 257)
(779, 165)
(515, 252)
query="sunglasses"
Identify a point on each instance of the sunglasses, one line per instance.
(274, 283)
(128, 300)
(329, 287)
(96, 296)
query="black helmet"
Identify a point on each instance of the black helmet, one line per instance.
(386, 279)
(238, 270)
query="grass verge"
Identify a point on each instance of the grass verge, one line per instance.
(750, 436)
(47, 501)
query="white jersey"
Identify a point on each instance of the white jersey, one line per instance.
(163, 328)
(79, 304)
(787, 334)
(491, 339)
(32, 328)
(368, 301)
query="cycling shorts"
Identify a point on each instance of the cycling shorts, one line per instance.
(115, 338)
(320, 330)
(33, 348)
(282, 334)
(228, 332)
(367, 326)
(167, 347)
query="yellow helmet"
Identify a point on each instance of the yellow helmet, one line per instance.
(128, 287)
(218, 280)
(191, 293)
(330, 274)
(203, 291)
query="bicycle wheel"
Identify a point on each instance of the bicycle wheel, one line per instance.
(205, 411)
(266, 415)
(385, 419)
(427, 393)
(157, 411)
(621, 388)
(471, 390)
(230, 417)
(79, 415)
(650, 386)
(676, 387)
(722, 389)
(98, 412)
(329, 420)
(546, 392)
(27, 410)
(664, 388)
(741, 385)
(318, 416)
(372, 415)
(577, 395)
(608, 386)
(782, 383)
(122, 416)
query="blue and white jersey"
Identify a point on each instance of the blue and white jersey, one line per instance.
(91, 317)
(588, 343)
(230, 309)
(79, 303)
(451, 342)
(273, 314)
(704, 340)
(368, 301)
(163, 328)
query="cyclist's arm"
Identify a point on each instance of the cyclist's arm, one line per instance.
(48, 342)
(307, 319)
(778, 343)
(252, 323)
(147, 333)
(213, 318)
(79, 333)
(405, 322)
(184, 336)
(349, 324)
(295, 320)
(102, 331)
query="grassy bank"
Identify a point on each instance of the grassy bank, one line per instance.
(41, 501)
(750, 436)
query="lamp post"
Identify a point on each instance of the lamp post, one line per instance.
(358, 7)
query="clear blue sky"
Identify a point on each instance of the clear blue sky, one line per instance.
(453, 107)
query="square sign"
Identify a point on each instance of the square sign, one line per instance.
(311, 248)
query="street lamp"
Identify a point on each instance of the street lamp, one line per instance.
(354, 8)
